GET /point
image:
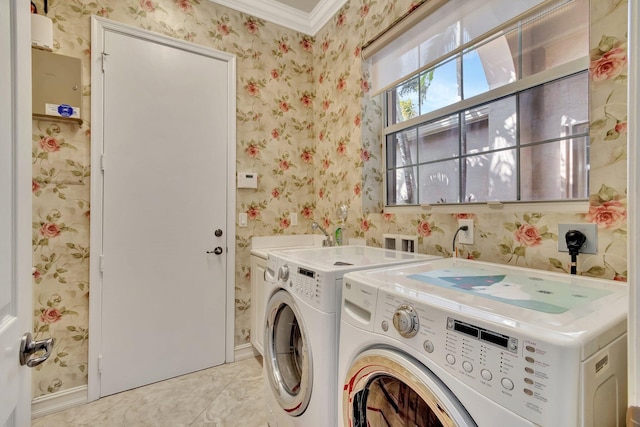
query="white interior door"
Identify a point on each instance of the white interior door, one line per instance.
(164, 210)
(15, 210)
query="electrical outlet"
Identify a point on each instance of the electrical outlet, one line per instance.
(465, 237)
(590, 246)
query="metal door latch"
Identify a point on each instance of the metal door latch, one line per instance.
(29, 348)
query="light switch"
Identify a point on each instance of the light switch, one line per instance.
(242, 219)
(247, 180)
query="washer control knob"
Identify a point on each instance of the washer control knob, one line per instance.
(467, 366)
(283, 273)
(507, 383)
(406, 321)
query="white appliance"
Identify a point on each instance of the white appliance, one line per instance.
(301, 331)
(464, 343)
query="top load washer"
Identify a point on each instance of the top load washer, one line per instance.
(471, 343)
(302, 324)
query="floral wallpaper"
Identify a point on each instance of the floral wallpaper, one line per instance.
(307, 124)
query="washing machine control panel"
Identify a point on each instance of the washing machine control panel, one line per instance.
(305, 283)
(526, 373)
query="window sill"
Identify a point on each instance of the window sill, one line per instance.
(576, 206)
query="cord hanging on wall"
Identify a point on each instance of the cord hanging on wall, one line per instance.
(575, 239)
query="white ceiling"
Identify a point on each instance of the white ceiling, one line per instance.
(305, 16)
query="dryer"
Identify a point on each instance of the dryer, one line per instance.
(464, 343)
(302, 324)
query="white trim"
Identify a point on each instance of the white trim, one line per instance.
(287, 16)
(633, 218)
(98, 27)
(245, 351)
(59, 401)
(580, 206)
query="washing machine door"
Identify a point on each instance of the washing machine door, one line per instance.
(287, 354)
(386, 388)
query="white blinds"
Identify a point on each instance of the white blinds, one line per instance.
(411, 46)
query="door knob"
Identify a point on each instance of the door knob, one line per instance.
(218, 232)
(216, 251)
(29, 347)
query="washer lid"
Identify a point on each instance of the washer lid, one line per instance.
(495, 292)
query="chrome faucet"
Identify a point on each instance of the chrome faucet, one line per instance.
(327, 241)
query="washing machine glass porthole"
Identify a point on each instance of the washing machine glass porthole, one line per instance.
(288, 359)
(385, 388)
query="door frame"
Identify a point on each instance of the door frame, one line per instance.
(15, 110)
(98, 28)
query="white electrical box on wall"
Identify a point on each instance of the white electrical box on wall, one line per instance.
(247, 180)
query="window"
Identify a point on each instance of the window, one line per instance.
(499, 117)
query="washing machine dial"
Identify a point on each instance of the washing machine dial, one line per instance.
(283, 273)
(406, 321)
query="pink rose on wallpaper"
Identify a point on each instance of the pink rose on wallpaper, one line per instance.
(49, 144)
(341, 20)
(364, 225)
(325, 104)
(321, 78)
(34, 186)
(464, 216)
(284, 164)
(424, 229)
(275, 74)
(364, 10)
(325, 45)
(356, 51)
(609, 66)
(251, 26)
(342, 149)
(275, 134)
(306, 156)
(284, 222)
(306, 100)
(364, 155)
(50, 230)
(147, 5)
(307, 212)
(50, 315)
(252, 89)
(364, 86)
(284, 48)
(388, 217)
(342, 84)
(275, 193)
(621, 127)
(185, 5)
(321, 136)
(325, 222)
(619, 278)
(37, 274)
(357, 121)
(253, 213)
(284, 106)
(223, 29)
(607, 215)
(321, 193)
(306, 44)
(528, 235)
(356, 189)
(325, 164)
(252, 151)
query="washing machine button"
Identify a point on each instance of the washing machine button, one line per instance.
(486, 374)
(507, 383)
(451, 359)
(467, 366)
(428, 346)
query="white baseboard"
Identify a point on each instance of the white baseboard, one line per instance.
(245, 351)
(56, 402)
(66, 399)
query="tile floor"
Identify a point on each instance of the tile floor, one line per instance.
(224, 396)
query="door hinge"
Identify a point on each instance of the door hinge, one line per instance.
(100, 364)
(101, 263)
(103, 57)
(102, 162)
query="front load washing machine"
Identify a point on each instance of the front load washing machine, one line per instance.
(465, 343)
(301, 328)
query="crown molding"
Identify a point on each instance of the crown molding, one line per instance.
(287, 16)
